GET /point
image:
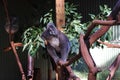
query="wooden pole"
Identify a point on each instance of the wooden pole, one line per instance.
(60, 21)
(60, 14)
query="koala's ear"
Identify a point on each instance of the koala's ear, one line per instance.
(50, 24)
(52, 28)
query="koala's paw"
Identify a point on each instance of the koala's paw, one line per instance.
(61, 62)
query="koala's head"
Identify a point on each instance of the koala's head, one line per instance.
(12, 26)
(50, 32)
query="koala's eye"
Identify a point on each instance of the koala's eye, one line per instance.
(51, 31)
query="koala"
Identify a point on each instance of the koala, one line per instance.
(12, 26)
(58, 45)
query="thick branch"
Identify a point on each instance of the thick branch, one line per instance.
(113, 68)
(98, 34)
(115, 10)
(98, 22)
(86, 56)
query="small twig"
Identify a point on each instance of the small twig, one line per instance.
(15, 44)
(109, 45)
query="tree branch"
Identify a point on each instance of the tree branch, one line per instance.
(98, 22)
(15, 44)
(98, 33)
(114, 14)
(109, 45)
(86, 56)
(18, 60)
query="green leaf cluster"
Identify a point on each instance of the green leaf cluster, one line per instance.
(31, 36)
(46, 18)
(103, 14)
(73, 26)
(31, 40)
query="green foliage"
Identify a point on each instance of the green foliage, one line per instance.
(102, 75)
(104, 12)
(73, 28)
(31, 40)
(46, 18)
(31, 37)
